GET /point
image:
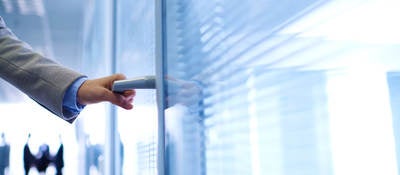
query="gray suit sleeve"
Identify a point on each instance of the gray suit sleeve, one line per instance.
(40, 78)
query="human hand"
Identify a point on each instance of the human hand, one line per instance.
(99, 90)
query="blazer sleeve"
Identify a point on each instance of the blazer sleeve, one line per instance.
(42, 79)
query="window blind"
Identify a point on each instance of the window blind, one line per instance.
(261, 86)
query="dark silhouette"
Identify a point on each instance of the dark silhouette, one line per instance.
(43, 159)
(4, 154)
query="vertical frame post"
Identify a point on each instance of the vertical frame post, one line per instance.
(160, 61)
(111, 150)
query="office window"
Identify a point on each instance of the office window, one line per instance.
(281, 87)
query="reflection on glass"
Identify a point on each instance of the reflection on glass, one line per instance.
(282, 87)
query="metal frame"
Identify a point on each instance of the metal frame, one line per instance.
(112, 161)
(160, 57)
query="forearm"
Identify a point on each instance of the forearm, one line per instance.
(59, 89)
(40, 78)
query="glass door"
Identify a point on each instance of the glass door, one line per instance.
(281, 87)
(137, 129)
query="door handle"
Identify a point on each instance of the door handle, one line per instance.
(143, 82)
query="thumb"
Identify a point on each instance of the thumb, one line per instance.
(109, 80)
(118, 77)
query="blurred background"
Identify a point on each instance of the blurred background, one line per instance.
(243, 87)
(80, 35)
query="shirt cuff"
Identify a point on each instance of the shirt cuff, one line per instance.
(70, 101)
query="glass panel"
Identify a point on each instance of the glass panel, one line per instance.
(136, 57)
(282, 87)
(91, 127)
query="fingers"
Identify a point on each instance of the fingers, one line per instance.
(127, 96)
(127, 99)
(120, 99)
(129, 93)
(99, 90)
(124, 99)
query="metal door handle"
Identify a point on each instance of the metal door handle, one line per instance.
(144, 82)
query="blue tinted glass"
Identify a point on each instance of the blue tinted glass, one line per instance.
(137, 128)
(282, 87)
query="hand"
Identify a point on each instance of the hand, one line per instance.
(99, 90)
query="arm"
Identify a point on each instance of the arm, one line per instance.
(47, 82)
(40, 78)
